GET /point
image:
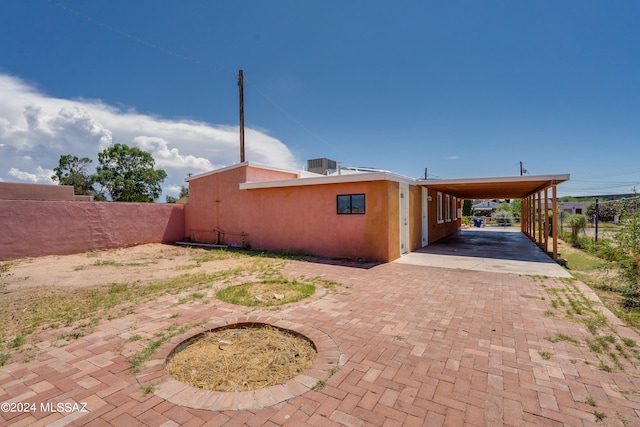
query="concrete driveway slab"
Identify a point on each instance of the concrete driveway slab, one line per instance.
(500, 250)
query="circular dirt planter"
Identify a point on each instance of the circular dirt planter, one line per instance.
(241, 357)
(154, 376)
(266, 294)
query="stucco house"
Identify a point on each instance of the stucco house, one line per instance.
(371, 215)
(375, 215)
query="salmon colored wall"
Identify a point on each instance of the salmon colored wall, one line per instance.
(301, 217)
(415, 217)
(36, 228)
(392, 221)
(254, 174)
(304, 217)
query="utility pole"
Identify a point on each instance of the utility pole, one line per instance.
(241, 87)
(521, 169)
(597, 217)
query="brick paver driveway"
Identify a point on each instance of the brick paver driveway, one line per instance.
(416, 345)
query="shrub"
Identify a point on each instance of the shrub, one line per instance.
(629, 235)
(629, 241)
(577, 224)
(502, 217)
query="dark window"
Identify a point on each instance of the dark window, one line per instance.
(351, 204)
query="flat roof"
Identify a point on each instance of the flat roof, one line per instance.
(330, 179)
(508, 187)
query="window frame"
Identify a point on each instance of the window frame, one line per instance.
(447, 208)
(454, 208)
(440, 218)
(351, 204)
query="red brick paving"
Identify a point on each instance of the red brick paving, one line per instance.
(415, 346)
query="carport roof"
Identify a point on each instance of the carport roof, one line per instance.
(509, 187)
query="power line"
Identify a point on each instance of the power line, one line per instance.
(141, 41)
(185, 58)
(619, 173)
(286, 113)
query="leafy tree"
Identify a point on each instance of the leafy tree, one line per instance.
(171, 199)
(629, 235)
(515, 207)
(128, 174)
(504, 206)
(606, 211)
(628, 239)
(466, 207)
(184, 192)
(72, 170)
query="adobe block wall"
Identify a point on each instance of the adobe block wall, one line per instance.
(22, 191)
(36, 228)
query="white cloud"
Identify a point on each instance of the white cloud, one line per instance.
(166, 157)
(36, 129)
(42, 176)
(453, 157)
(173, 189)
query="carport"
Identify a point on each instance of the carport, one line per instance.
(533, 191)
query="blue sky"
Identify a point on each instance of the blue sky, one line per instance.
(463, 88)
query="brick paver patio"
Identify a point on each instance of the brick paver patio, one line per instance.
(415, 346)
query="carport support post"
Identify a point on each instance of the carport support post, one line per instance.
(546, 220)
(525, 215)
(554, 208)
(522, 216)
(533, 217)
(540, 218)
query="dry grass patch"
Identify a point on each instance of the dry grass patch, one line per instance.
(242, 358)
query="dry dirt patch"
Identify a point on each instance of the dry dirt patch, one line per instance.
(40, 295)
(138, 264)
(61, 298)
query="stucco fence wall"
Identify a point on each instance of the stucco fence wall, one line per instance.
(35, 228)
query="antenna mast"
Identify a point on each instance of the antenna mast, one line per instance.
(241, 87)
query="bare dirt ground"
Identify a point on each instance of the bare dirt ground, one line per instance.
(138, 264)
(35, 293)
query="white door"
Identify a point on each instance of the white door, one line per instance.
(425, 217)
(404, 219)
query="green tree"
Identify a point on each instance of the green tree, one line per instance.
(606, 211)
(515, 207)
(629, 235)
(504, 206)
(128, 174)
(628, 239)
(466, 207)
(72, 170)
(184, 192)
